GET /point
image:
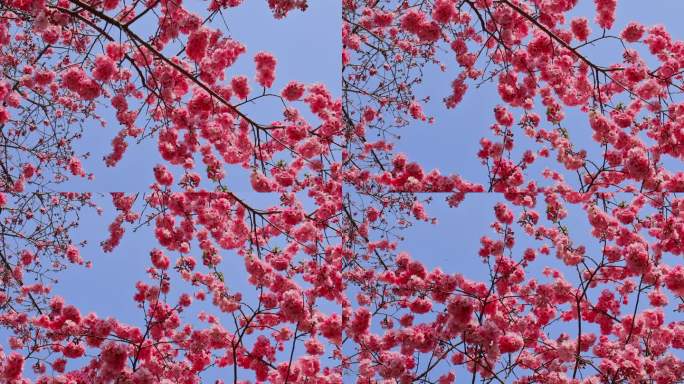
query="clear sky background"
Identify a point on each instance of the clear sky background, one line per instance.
(307, 46)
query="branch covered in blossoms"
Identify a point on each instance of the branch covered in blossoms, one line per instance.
(305, 277)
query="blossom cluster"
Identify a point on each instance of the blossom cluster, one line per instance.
(330, 295)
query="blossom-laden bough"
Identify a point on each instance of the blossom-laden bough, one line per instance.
(332, 297)
(605, 308)
(68, 64)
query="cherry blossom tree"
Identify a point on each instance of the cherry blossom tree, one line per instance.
(333, 297)
(598, 312)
